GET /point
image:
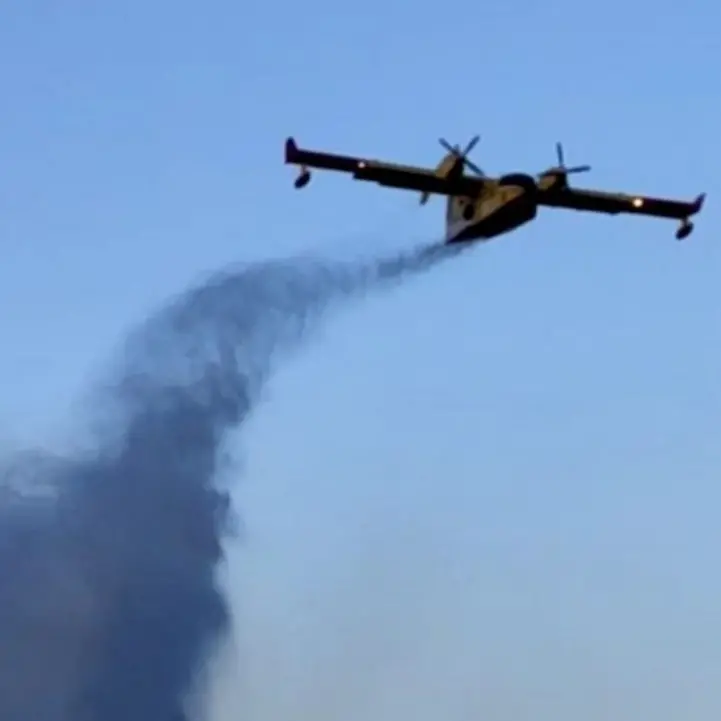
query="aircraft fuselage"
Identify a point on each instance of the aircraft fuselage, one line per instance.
(503, 206)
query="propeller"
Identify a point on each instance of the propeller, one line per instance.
(455, 150)
(561, 168)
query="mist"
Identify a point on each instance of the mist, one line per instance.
(110, 607)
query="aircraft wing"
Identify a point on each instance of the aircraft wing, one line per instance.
(390, 175)
(614, 203)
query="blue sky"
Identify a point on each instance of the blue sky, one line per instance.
(509, 465)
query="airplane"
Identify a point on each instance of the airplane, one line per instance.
(479, 207)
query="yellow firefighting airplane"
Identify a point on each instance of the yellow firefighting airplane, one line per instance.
(480, 207)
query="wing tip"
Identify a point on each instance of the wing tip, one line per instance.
(291, 150)
(698, 203)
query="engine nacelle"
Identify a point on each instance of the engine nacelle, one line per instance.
(684, 230)
(553, 181)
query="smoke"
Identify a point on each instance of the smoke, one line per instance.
(109, 606)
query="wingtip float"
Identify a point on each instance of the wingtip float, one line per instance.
(480, 207)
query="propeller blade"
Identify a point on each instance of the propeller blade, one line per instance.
(474, 167)
(455, 150)
(472, 144)
(561, 169)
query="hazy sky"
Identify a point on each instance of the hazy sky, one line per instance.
(490, 494)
